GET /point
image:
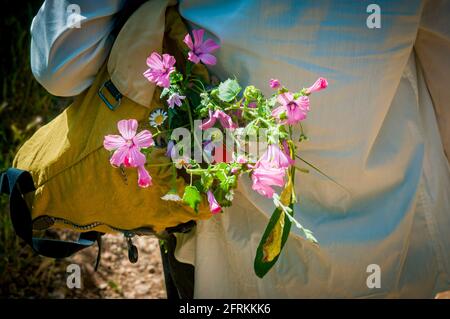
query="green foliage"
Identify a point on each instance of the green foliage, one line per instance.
(262, 263)
(229, 90)
(192, 197)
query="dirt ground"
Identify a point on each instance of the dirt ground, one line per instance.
(116, 277)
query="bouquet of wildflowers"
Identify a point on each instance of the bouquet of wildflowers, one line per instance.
(217, 132)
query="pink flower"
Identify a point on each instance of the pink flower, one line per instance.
(295, 110)
(225, 120)
(320, 84)
(127, 147)
(274, 83)
(275, 157)
(144, 178)
(214, 206)
(170, 149)
(240, 159)
(270, 169)
(160, 69)
(175, 99)
(201, 50)
(234, 170)
(265, 176)
(287, 151)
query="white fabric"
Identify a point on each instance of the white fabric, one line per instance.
(66, 60)
(374, 130)
(128, 54)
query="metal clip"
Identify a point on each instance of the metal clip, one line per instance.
(133, 254)
(113, 91)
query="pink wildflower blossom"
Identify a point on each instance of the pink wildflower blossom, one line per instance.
(274, 83)
(275, 157)
(225, 120)
(264, 177)
(160, 69)
(175, 99)
(320, 84)
(295, 110)
(127, 148)
(144, 178)
(214, 206)
(201, 50)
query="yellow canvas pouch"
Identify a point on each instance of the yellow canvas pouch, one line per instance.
(76, 187)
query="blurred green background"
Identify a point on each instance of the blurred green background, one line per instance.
(24, 107)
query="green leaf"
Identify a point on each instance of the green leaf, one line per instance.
(206, 179)
(229, 90)
(275, 235)
(272, 242)
(192, 197)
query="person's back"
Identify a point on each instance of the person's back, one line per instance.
(375, 132)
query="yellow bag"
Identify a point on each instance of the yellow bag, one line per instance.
(76, 187)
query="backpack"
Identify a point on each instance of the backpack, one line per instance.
(61, 176)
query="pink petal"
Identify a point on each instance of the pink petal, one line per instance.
(188, 41)
(163, 81)
(295, 114)
(225, 120)
(127, 128)
(134, 157)
(208, 123)
(208, 58)
(193, 57)
(303, 101)
(209, 46)
(144, 178)
(320, 84)
(113, 142)
(168, 61)
(148, 74)
(154, 61)
(285, 98)
(262, 189)
(143, 139)
(198, 37)
(214, 206)
(275, 157)
(274, 83)
(278, 111)
(287, 151)
(119, 156)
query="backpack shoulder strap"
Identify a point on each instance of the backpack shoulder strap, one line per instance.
(16, 183)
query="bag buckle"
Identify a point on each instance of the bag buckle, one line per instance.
(113, 91)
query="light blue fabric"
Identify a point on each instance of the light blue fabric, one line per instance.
(65, 60)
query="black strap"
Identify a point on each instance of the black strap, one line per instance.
(16, 183)
(179, 277)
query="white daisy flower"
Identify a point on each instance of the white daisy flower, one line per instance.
(171, 196)
(157, 118)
